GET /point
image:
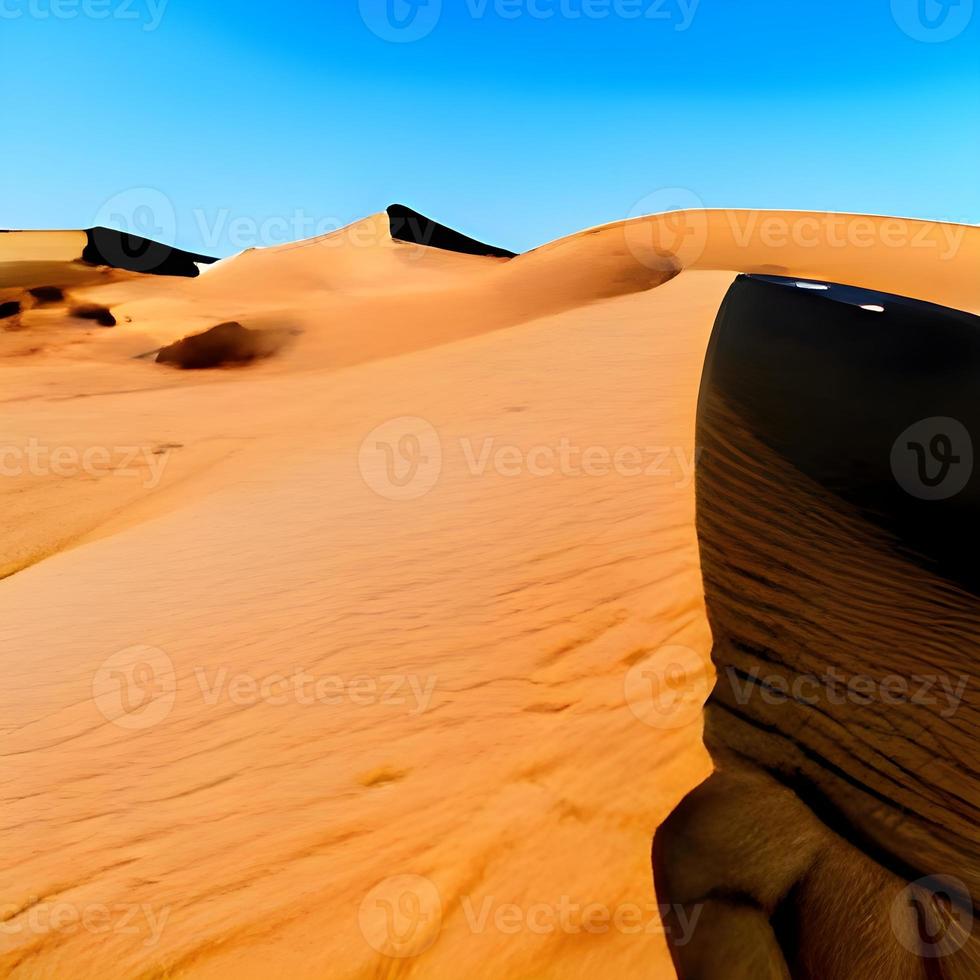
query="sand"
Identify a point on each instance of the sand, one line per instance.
(480, 733)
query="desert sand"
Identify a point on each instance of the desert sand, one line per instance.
(478, 616)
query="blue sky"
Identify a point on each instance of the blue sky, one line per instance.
(225, 123)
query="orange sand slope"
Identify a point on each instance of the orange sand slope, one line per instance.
(338, 664)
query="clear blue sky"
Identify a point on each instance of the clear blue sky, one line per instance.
(510, 124)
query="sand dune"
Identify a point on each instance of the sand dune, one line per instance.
(499, 596)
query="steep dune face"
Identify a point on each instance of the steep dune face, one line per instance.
(119, 250)
(836, 500)
(407, 225)
(366, 627)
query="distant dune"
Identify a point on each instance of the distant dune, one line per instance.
(467, 480)
(416, 229)
(105, 246)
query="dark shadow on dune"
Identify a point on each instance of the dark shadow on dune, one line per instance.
(226, 344)
(101, 315)
(838, 512)
(409, 226)
(9, 309)
(106, 246)
(838, 518)
(47, 294)
(879, 406)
